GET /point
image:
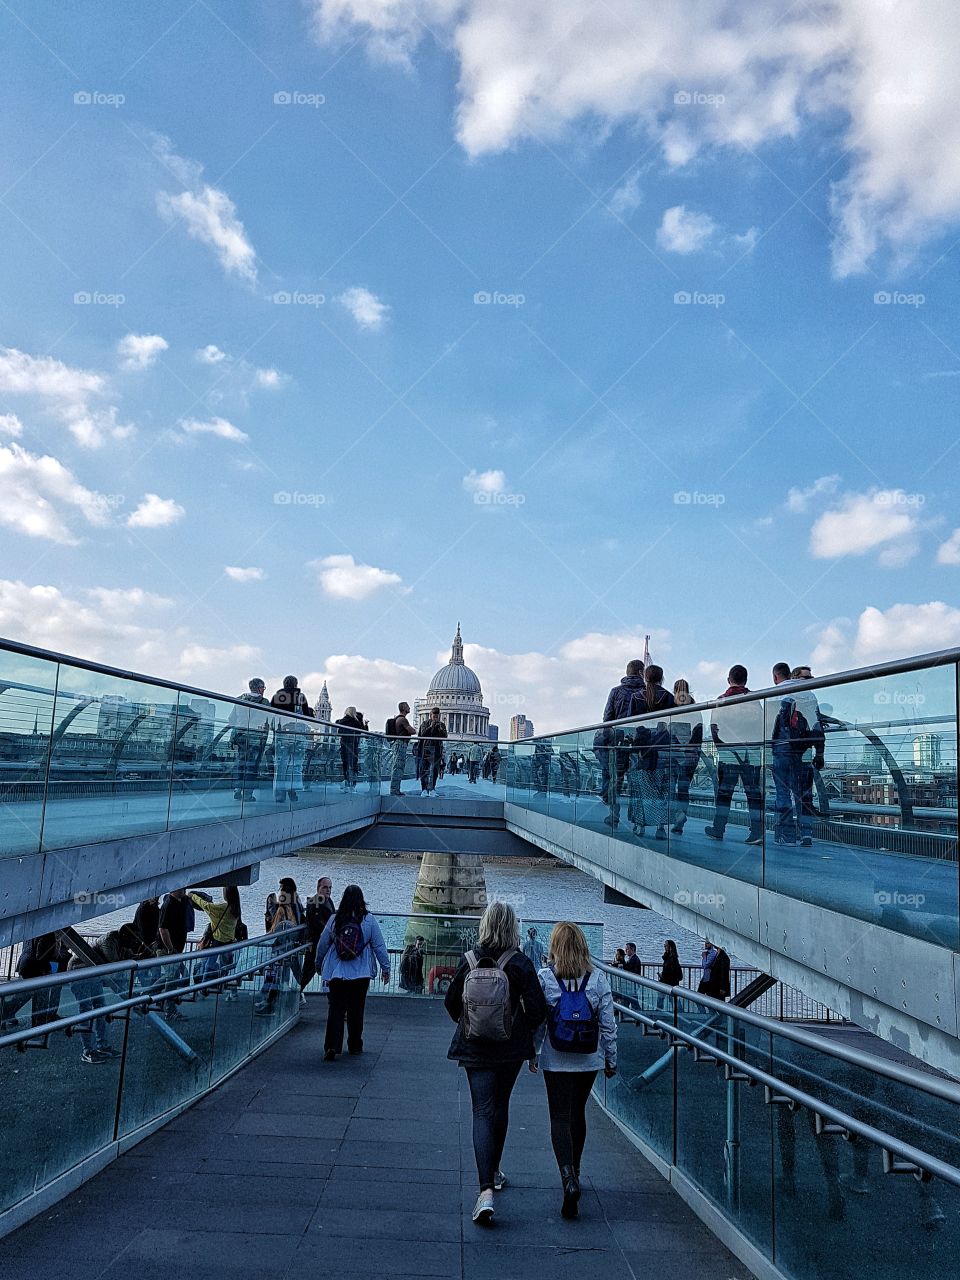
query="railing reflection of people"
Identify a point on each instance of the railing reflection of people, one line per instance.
(290, 737)
(737, 733)
(250, 727)
(568, 761)
(349, 728)
(431, 735)
(542, 756)
(533, 948)
(118, 945)
(686, 733)
(796, 748)
(39, 957)
(611, 745)
(289, 914)
(493, 759)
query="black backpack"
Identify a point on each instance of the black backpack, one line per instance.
(792, 725)
(390, 728)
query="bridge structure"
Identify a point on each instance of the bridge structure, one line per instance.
(835, 871)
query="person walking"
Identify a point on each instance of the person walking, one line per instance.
(671, 970)
(318, 911)
(737, 733)
(250, 726)
(349, 728)
(494, 760)
(686, 745)
(497, 1002)
(347, 954)
(432, 733)
(474, 761)
(578, 1039)
(611, 746)
(400, 730)
(290, 736)
(649, 777)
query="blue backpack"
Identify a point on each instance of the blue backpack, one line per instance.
(572, 1022)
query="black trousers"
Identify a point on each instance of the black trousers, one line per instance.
(567, 1095)
(347, 999)
(490, 1090)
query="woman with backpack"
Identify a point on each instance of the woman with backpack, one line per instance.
(347, 955)
(497, 1003)
(578, 1039)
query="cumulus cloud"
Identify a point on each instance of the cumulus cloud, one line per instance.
(343, 578)
(39, 495)
(140, 350)
(865, 521)
(949, 552)
(798, 500)
(365, 307)
(269, 379)
(219, 427)
(682, 230)
(485, 481)
(199, 657)
(154, 512)
(880, 75)
(10, 425)
(883, 635)
(244, 575)
(71, 395)
(207, 214)
(627, 197)
(210, 354)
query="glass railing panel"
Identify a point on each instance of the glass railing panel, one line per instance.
(723, 1140)
(27, 693)
(862, 800)
(519, 776)
(641, 1094)
(56, 1109)
(559, 766)
(110, 762)
(276, 988)
(216, 761)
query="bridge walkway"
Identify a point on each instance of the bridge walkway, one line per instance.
(364, 1167)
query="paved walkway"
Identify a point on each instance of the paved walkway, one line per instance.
(297, 1168)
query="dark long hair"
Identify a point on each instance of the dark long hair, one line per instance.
(352, 905)
(231, 896)
(670, 950)
(653, 690)
(288, 885)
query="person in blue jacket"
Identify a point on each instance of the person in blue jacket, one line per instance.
(349, 949)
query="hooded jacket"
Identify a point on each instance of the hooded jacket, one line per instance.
(622, 697)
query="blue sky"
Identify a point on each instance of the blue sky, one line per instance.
(209, 481)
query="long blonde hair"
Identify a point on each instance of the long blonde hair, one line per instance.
(569, 951)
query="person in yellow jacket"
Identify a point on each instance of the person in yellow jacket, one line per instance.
(225, 920)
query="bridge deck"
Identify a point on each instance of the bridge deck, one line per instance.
(364, 1167)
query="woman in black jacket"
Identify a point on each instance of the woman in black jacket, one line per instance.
(493, 1064)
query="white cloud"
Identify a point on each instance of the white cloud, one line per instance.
(38, 495)
(344, 579)
(365, 307)
(219, 427)
(883, 635)
(683, 230)
(949, 552)
(485, 481)
(10, 425)
(244, 575)
(747, 242)
(121, 602)
(155, 512)
(210, 354)
(865, 521)
(199, 657)
(69, 394)
(140, 350)
(798, 500)
(879, 73)
(269, 379)
(627, 198)
(375, 685)
(207, 213)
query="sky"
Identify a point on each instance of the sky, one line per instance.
(325, 325)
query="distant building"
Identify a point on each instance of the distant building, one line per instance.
(520, 728)
(456, 690)
(323, 710)
(927, 750)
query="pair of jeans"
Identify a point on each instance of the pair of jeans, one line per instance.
(348, 996)
(289, 750)
(89, 996)
(567, 1095)
(734, 767)
(490, 1090)
(399, 764)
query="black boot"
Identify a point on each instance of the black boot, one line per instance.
(571, 1191)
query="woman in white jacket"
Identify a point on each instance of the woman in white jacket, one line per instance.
(578, 1039)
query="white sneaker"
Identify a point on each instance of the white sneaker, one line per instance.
(499, 1180)
(483, 1209)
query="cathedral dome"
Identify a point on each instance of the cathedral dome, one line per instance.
(456, 690)
(456, 676)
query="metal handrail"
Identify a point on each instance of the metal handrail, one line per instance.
(948, 1090)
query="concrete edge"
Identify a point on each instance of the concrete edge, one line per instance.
(30, 1207)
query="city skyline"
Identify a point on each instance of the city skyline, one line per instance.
(320, 331)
